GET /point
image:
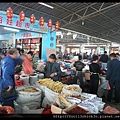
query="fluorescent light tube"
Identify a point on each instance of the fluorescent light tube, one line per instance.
(11, 29)
(41, 3)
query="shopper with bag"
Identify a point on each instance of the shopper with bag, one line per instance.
(7, 83)
(113, 77)
(94, 77)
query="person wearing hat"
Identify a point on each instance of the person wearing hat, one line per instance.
(52, 69)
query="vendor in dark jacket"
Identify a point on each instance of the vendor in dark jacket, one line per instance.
(79, 75)
(94, 78)
(52, 69)
(113, 76)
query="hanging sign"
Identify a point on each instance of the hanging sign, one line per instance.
(26, 25)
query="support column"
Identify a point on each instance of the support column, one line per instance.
(82, 49)
(119, 49)
(98, 49)
(12, 40)
(63, 48)
(107, 48)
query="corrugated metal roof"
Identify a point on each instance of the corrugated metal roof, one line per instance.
(99, 18)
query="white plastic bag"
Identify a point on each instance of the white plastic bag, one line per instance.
(32, 105)
(27, 110)
(88, 95)
(18, 108)
(27, 97)
(71, 92)
(45, 102)
(40, 87)
(50, 95)
(90, 106)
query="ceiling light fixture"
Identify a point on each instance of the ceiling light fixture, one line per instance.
(11, 29)
(83, 23)
(41, 3)
(69, 33)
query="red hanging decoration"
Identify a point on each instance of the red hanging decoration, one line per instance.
(41, 21)
(32, 19)
(50, 23)
(22, 16)
(57, 25)
(9, 13)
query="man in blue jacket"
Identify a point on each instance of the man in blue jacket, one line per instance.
(7, 75)
(113, 77)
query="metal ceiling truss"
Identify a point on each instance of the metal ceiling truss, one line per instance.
(97, 11)
(101, 10)
(36, 10)
(88, 19)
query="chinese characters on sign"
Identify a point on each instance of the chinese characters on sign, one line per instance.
(27, 25)
(9, 22)
(1, 19)
(51, 44)
(26, 34)
(51, 38)
(18, 23)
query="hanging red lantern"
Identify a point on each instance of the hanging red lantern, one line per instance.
(57, 25)
(41, 21)
(50, 23)
(32, 19)
(9, 13)
(22, 16)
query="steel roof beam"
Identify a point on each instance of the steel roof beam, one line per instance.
(107, 17)
(36, 10)
(83, 14)
(97, 11)
(73, 13)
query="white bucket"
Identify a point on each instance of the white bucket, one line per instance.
(33, 79)
(40, 76)
(25, 79)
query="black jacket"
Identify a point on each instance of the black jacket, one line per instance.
(95, 68)
(55, 68)
(104, 58)
(113, 70)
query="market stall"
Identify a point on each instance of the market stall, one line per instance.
(27, 33)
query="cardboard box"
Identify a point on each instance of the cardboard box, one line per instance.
(65, 111)
(55, 109)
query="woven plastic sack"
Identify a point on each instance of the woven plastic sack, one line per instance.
(40, 87)
(50, 95)
(71, 92)
(27, 66)
(27, 97)
(27, 110)
(45, 102)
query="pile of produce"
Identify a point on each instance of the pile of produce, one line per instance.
(45, 81)
(62, 101)
(6, 110)
(77, 110)
(18, 83)
(52, 85)
(111, 110)
(30, 89)
(74, 88)
(71, 90)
